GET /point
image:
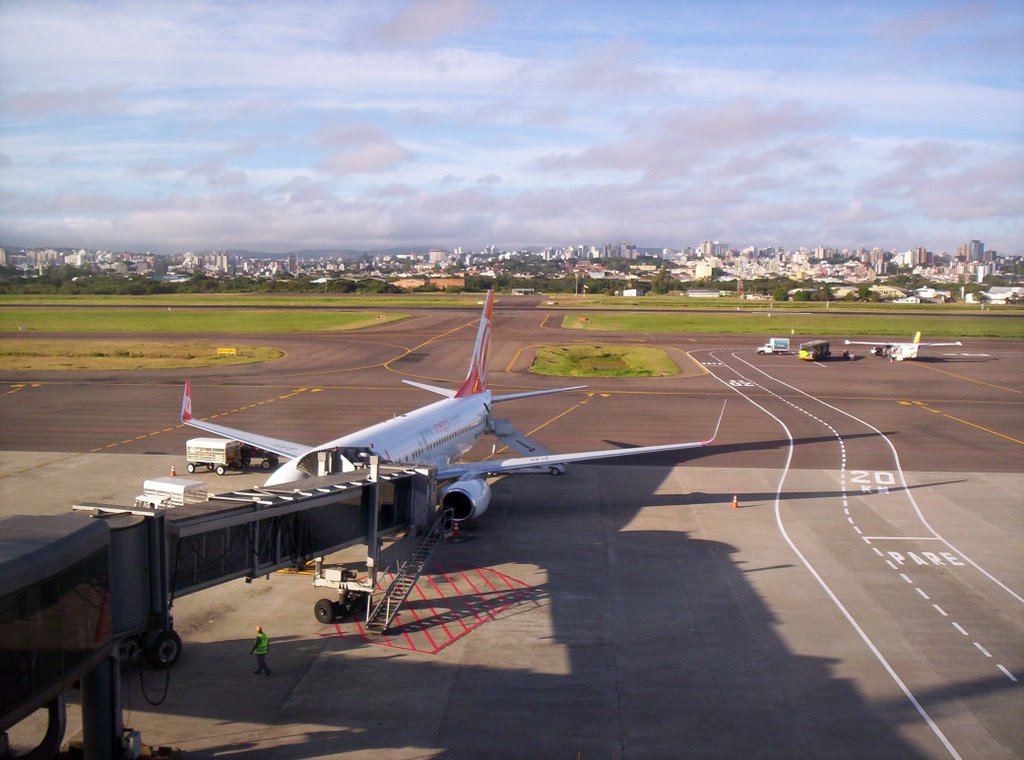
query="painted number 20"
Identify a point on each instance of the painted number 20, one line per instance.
(865, 478)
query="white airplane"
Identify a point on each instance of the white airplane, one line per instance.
(898, 351)
(436, 434)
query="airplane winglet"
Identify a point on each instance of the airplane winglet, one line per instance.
(446, 392)
(717, 424)
(186, 403)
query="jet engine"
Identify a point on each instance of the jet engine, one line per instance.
(466, 498)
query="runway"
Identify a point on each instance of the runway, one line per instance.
(865, 600)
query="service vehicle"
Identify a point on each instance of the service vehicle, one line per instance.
(215, 454)
(162, 493)
(815, 350)
(775, 346)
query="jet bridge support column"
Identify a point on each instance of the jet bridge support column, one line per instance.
(101, 711)
(372, 521)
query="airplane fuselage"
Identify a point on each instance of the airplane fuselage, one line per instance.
(436, 434)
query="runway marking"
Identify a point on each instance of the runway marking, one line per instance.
(435, 338)
(930, 557)
(921, 405)
(899, 467)
(827, 589)
(460, 614)
(968, 379)
(858, 476)
(960, 628)
(904, 538)
(1007, 673)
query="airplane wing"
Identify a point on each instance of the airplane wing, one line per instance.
(460, 470)
(958, 343)
(872, 343)
(450, 392)
(276, 445)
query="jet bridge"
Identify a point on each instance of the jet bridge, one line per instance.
(132, 563)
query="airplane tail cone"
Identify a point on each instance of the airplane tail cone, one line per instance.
(735, 502)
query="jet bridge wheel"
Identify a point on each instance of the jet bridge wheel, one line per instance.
(163, 649)
(325, 611)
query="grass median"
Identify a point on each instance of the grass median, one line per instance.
(602, 360)
(44, 355)
(186, 320)
(786, 324)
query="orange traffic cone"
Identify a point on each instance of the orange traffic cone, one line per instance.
(174, 474)
(735, 502)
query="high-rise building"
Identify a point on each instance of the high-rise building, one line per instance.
(975, 251)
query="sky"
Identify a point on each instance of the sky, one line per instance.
(278, 126)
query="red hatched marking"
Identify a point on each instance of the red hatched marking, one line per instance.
(442, 608)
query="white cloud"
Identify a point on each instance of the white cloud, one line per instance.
(457, 121)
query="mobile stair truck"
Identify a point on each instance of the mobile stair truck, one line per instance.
(775, 346)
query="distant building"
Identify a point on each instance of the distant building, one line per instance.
(703, 293)
(889, 292)
(998, 294)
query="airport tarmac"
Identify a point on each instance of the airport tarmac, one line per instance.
(864, 600)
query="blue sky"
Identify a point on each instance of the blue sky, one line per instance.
(285, 125)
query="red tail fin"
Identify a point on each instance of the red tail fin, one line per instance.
(186, 403)
(476, 378)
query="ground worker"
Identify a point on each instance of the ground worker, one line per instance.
(259, 648)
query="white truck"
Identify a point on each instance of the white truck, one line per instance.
(161, 493)
(775, 346)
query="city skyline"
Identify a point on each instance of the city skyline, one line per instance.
(299, 125)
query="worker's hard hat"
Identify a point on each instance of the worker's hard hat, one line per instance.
(259, 629)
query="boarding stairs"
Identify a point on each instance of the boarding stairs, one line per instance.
(380, 616)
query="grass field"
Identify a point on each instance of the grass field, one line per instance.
(799, 325)
(185, 320)
(79, 354)
(603, 361)
(731, 303)
(335, 301)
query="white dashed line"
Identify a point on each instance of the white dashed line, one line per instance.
(918, 590)
(940, 610)
(982, 649)
(960, 628)
(810, 568)
(1007, 673)
(904, 577)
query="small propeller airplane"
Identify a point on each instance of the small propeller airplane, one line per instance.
(896, 350)
(436, 434)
